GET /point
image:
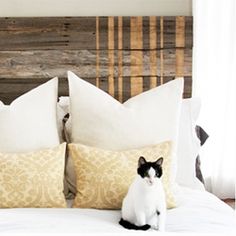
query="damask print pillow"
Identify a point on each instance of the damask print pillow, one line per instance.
(104, 176)
(33, 179)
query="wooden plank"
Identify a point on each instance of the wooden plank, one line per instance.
(187, 87)
(187, 70)
(180, 44)
(47, 64)
(146, 32)
(120, 59)
(111, 47)
(153, 54)
(162, 47)
(136, 42)
(97, 51)
(12, 88)
(126, 32)
(47, 33)
(169, 29)
(188, 32)
(103, 55)
(121, 55)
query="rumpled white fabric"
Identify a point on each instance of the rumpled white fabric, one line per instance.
(198, 212)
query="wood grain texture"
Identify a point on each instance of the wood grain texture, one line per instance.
(97, 51)
(48, 33)
(180, 43)
(153, 52)
(111, 59)
(47, 64)
(121, 55)
(136, 42)
(120, 59)
(162, 48)
(12, 88)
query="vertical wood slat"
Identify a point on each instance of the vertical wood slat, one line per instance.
(120, 54)
(162, 47)
(180, 43)
(136, 42)
(111, 45)
(97, 51)
(153, 54)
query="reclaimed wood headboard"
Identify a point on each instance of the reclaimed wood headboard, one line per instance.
(122, 55)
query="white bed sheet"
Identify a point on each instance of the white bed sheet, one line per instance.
(198, 212)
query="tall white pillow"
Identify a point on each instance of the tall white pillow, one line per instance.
(187, 149)
(101, 121)
(188, 144)
(29, 123)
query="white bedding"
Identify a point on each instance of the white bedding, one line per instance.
(198, 212)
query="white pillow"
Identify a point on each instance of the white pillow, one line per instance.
(188, 144)
(29, 123)
(101, 121)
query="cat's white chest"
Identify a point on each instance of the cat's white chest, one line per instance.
(148, 201)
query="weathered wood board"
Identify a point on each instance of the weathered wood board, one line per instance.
(122, 55)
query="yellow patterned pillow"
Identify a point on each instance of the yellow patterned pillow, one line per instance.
(32, 179)
(103, 177)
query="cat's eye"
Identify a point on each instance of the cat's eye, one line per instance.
(146, 174)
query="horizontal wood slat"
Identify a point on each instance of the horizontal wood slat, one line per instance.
(73, 32)
(12, 88)
(121, 55)
(38, 64)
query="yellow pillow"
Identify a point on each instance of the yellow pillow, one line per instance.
(32, 179)
(103, 177)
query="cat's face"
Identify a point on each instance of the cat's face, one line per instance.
(150, 171)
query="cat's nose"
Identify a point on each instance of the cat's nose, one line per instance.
(151, 181)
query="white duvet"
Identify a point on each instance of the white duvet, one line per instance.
(198, 212)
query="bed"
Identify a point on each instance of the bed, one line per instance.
(123, 56)
(198, 212)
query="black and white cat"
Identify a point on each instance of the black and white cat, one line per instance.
(144, 206)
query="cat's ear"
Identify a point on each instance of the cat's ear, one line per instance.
(159, 161)
(141, 161)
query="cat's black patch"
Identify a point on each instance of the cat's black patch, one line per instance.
(144, 166)
(126, 224)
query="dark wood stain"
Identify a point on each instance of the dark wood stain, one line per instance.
(33, 50)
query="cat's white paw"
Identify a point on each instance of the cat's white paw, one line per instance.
(155, 226)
